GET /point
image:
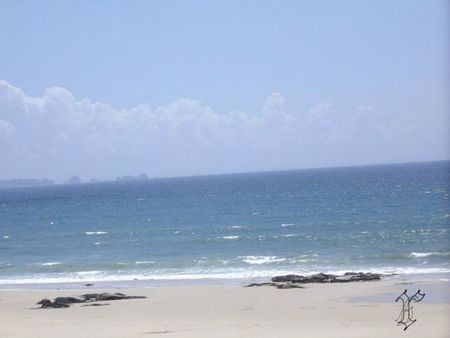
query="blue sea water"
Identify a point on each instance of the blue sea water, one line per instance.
(390, 218)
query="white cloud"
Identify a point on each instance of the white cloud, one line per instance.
(57, 135)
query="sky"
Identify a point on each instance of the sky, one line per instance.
(172, 88)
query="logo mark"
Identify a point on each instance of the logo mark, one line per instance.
(405, 317)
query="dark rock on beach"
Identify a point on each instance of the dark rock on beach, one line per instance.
(108, 296)
(69, 300)
(288, 278)
(63, 302)
(47, 303)
(328, 278)
(282, 285)
(293, 281)
(287, 285)
(259, 284)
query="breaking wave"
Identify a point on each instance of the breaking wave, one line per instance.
(427, 254)
(90, 233)
(261, 259)
(230, 237)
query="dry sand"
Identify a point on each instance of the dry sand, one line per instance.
(362, 309)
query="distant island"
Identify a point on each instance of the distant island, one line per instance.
(25, 182)
(126, 178)
(140, 177)
(72, 180)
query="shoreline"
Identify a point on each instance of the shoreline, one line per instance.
(355, 309)
(154, 283)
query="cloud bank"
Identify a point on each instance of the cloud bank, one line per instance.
(56, 135)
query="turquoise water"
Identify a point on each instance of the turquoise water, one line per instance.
(392, 218)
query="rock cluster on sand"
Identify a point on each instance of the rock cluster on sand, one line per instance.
(279, 285)
(47, 303)
(292, 281)
(63, 302)
(328, 278)
(93, 297)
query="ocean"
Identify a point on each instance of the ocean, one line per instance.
(384, 218)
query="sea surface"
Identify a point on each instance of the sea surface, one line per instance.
(388, 219)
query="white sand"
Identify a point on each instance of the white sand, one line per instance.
(319, 310)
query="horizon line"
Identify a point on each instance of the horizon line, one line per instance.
(226, 173)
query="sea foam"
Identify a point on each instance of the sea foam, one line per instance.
(261, 259)
(90, 233)
(237, 227)
(144, 262)
(49, 263)
(230, 237)
(427, 254)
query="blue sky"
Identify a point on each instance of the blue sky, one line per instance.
(215, 59)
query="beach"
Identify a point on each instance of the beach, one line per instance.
(359, 309)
